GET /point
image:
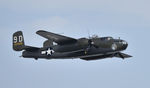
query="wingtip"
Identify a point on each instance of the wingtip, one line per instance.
(40, 31)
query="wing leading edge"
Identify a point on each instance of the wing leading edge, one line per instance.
(96, 57)
(122, 55)
(60, 39)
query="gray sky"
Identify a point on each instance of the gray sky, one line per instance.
(128, 19)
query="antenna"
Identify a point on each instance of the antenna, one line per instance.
(88, 31)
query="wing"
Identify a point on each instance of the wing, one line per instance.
(122, 55)
(96, 57)
(102, 56)
(60, 39)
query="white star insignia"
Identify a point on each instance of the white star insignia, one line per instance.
(48, 52)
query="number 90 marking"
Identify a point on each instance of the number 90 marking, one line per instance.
(18, 39)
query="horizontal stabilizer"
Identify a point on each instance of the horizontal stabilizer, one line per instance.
(30, 48)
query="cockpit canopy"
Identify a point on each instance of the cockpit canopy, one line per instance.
(106, 38)
(102, 38)
(94, 36)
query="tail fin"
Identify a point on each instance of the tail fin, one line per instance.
(18, 41)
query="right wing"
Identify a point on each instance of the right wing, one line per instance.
(60, 39)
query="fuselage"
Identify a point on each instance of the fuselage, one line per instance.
(104, 46)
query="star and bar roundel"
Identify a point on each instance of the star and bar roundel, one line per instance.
(49, 51)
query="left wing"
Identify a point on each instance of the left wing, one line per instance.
(102, 56)
(60, 39)
(122, 55)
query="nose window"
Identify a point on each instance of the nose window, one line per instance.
(124, 42)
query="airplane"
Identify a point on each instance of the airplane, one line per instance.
(62, 47)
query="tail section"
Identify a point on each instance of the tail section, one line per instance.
(18, 41)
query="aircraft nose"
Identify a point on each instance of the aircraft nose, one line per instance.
(125, 45)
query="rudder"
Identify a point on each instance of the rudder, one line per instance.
(18, 41)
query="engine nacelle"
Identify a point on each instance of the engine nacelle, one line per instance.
(48, 43)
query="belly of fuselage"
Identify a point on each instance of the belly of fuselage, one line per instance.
(77, 54)
(64, 52)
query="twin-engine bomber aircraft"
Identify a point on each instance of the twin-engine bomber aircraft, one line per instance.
(61, 47)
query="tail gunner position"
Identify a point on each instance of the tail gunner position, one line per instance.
(61, 47)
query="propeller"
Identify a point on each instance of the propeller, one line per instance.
(90, 44)
(121, 55)
(119, 39)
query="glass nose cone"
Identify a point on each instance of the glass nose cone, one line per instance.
(125, 45)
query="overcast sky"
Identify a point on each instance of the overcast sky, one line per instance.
(127, 19)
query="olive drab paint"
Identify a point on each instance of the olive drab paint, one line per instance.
(18, 41)
(62, 47)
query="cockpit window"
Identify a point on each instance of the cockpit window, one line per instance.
(122, 42)
(107, 38)
(94, 36)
